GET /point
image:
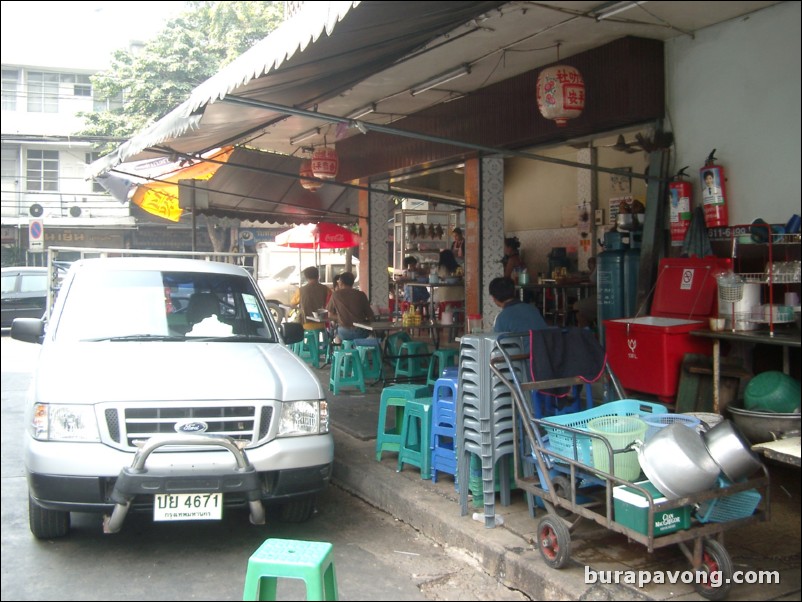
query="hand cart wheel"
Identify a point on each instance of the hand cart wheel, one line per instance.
(715, 558)
(554, 541)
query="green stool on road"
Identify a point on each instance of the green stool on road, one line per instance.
(441, 359)
(311, 561)
(346, 370)
(416, 436)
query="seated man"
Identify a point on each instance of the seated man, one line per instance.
(414, 294)
(587, 309)
(348, 305)
(311, 297)
(515, 316)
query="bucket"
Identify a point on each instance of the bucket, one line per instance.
(447, 317)
(619, 431)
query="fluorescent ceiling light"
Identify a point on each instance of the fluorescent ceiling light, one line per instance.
(362, 112)
(613, 8)
(304, 136)
(440, 79)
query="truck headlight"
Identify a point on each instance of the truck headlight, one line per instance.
(64, 423)
(303, 418)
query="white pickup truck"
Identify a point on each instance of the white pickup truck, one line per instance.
(163, 385)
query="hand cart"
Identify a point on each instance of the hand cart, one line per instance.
(572, 489)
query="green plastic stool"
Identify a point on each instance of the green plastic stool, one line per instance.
(441, 358)
(309, 348)
(392, 344)
(371, 357)
(416, 436)
(312, 561)
(346, 371)
(395, 396)
(412, 367)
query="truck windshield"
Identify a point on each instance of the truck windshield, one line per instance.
(143, 305)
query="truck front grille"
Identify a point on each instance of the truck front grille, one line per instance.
(243, 423)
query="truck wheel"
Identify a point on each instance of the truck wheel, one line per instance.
(298, 511)
(47, 524)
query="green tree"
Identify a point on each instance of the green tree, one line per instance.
(156, 78)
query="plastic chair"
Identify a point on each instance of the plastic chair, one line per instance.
(441, 358)
(389, 439)
(416, 437)
(346, 371)
(311, 561)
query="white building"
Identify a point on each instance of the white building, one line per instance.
(44, 161)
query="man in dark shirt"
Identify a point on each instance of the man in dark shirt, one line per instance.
(348, 305)
(515, 316)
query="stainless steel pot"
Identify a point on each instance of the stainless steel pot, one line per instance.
(731, 451)
(677, 462)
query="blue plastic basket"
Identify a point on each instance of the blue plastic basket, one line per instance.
(730, 507)
(562, 442)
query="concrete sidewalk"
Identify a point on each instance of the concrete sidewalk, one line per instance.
(509, 553)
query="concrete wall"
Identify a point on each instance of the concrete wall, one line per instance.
(736, 88)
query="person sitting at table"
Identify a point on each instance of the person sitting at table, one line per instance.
(414, 294)
(515, 316)
(448, 297)
(311, 297)
(348, 305)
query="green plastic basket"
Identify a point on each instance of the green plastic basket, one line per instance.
(619, 431)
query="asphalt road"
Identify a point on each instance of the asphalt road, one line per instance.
(376, 556)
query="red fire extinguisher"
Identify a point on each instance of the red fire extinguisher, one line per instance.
(679, 190)
(714, 193)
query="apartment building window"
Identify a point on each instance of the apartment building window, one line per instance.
(43, 92)
(91, 158)
(41, 171)
(81, 85)
(108, 104)
(10, 83)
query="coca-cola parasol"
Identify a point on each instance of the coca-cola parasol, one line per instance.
(323, 235)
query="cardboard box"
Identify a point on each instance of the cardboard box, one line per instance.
(632, 510)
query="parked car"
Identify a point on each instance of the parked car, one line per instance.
(141, 402)
(24, 291)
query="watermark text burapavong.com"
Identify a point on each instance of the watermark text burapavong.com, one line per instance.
(711, 578)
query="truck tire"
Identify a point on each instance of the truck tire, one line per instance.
(47, 524)
(299, 510)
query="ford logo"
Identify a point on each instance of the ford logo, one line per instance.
(191, 426)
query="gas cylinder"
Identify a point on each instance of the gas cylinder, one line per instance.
(631, 274)
(714, 194)
(610, 278)
(679, 190)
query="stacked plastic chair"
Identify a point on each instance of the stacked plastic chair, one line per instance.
(444, 427)
(485, 418)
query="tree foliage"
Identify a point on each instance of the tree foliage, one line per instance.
(155, 78)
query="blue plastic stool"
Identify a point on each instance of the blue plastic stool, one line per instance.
(311, 561)
(397, 396)
(444, 427)
(441, 359)
(416, 437)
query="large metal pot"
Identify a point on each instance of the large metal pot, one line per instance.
(731, 451)
(677, 462)
(764, 426)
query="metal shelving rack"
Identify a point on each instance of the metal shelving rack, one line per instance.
(432, 235)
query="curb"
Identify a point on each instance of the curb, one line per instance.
(504, 555)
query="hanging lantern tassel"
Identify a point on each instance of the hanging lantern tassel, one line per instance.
(325, 163)
(306, 171)
(560, 93)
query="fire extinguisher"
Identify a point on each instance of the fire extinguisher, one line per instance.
(679, 190)
(714, 194)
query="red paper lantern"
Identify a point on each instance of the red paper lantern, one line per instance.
(306, 171)
(325, 163)
(560, 93)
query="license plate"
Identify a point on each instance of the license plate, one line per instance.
(188, 506)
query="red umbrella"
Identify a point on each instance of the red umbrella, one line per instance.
(323, 235)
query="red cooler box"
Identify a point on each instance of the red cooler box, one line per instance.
(646, 353)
